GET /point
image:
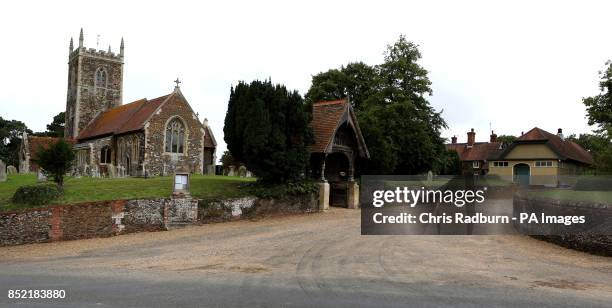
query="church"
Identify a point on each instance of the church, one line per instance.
(147, 137)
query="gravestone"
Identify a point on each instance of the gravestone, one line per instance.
(112, 172)
(231, 172)
(429, 177)
(2, 171)
(41, 177)
(11, 170)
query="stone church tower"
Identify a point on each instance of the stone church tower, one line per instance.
(95, 84)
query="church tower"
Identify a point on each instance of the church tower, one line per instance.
(95, 84)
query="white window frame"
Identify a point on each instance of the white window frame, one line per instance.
(501, 164)
(543, 164)
(475, 164)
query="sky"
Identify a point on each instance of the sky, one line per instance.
(504, 65)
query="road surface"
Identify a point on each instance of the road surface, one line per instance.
(314, 260)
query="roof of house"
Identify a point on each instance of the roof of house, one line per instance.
(122, 119)
(478, 151)
(35, 143)
(566, 149)
(327, 116)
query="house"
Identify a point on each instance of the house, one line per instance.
(540, 158)
(338, 146)
(474, 155)
(535, 158)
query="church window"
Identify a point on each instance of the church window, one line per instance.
(105, 155)
(100, 78)
(175, 136)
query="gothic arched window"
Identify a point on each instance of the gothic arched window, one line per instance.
(105, 155)
(175, 136)
(100, 78)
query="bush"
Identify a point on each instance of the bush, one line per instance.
(38, 194)
(296, 189)
(594, 183)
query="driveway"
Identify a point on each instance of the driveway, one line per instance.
(307, 260)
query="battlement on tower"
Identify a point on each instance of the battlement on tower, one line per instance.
(83, 51)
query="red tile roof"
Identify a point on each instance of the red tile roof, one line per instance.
(479, 151)
(326, 118)
(35, 143)
(565, 148)
(122, 119)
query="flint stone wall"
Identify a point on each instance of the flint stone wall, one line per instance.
(597, 240)
(24, 228)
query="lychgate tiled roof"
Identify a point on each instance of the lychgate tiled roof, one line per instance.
(122, 119)
(327, 116)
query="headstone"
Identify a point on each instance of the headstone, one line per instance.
(429, 177)
(249, 174)
(41, 176)
(11, 170)
(2, 171)
(111, 171)
(231, 172)
(242, 170)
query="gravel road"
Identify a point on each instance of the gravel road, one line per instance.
(310, 260)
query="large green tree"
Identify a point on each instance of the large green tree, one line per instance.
(599, 113)
(599, 107)
(400, 127)
(267, 129)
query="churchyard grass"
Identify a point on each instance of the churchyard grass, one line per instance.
(98, 189)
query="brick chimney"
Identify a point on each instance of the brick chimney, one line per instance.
(454, 139)
(471, 138)
(560, 133)
(493, 137)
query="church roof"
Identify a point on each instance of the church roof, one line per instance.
(327, 117)
(122, 119)
(209, 138)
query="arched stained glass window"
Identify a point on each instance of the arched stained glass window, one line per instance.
(175, 136)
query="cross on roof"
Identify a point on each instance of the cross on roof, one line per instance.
(177, 81)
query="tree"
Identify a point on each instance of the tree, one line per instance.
(267, 129)
(55, 128)
(399, 125)
(56, 160)
(10, 140)
(599, 107)
(451, 163)
(506, 140)
(599, 112)
(600, 147)
(227, 160)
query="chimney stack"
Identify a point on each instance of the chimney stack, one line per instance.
(454, 140)
(560, 133)
(471, 138)
(493, 137)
